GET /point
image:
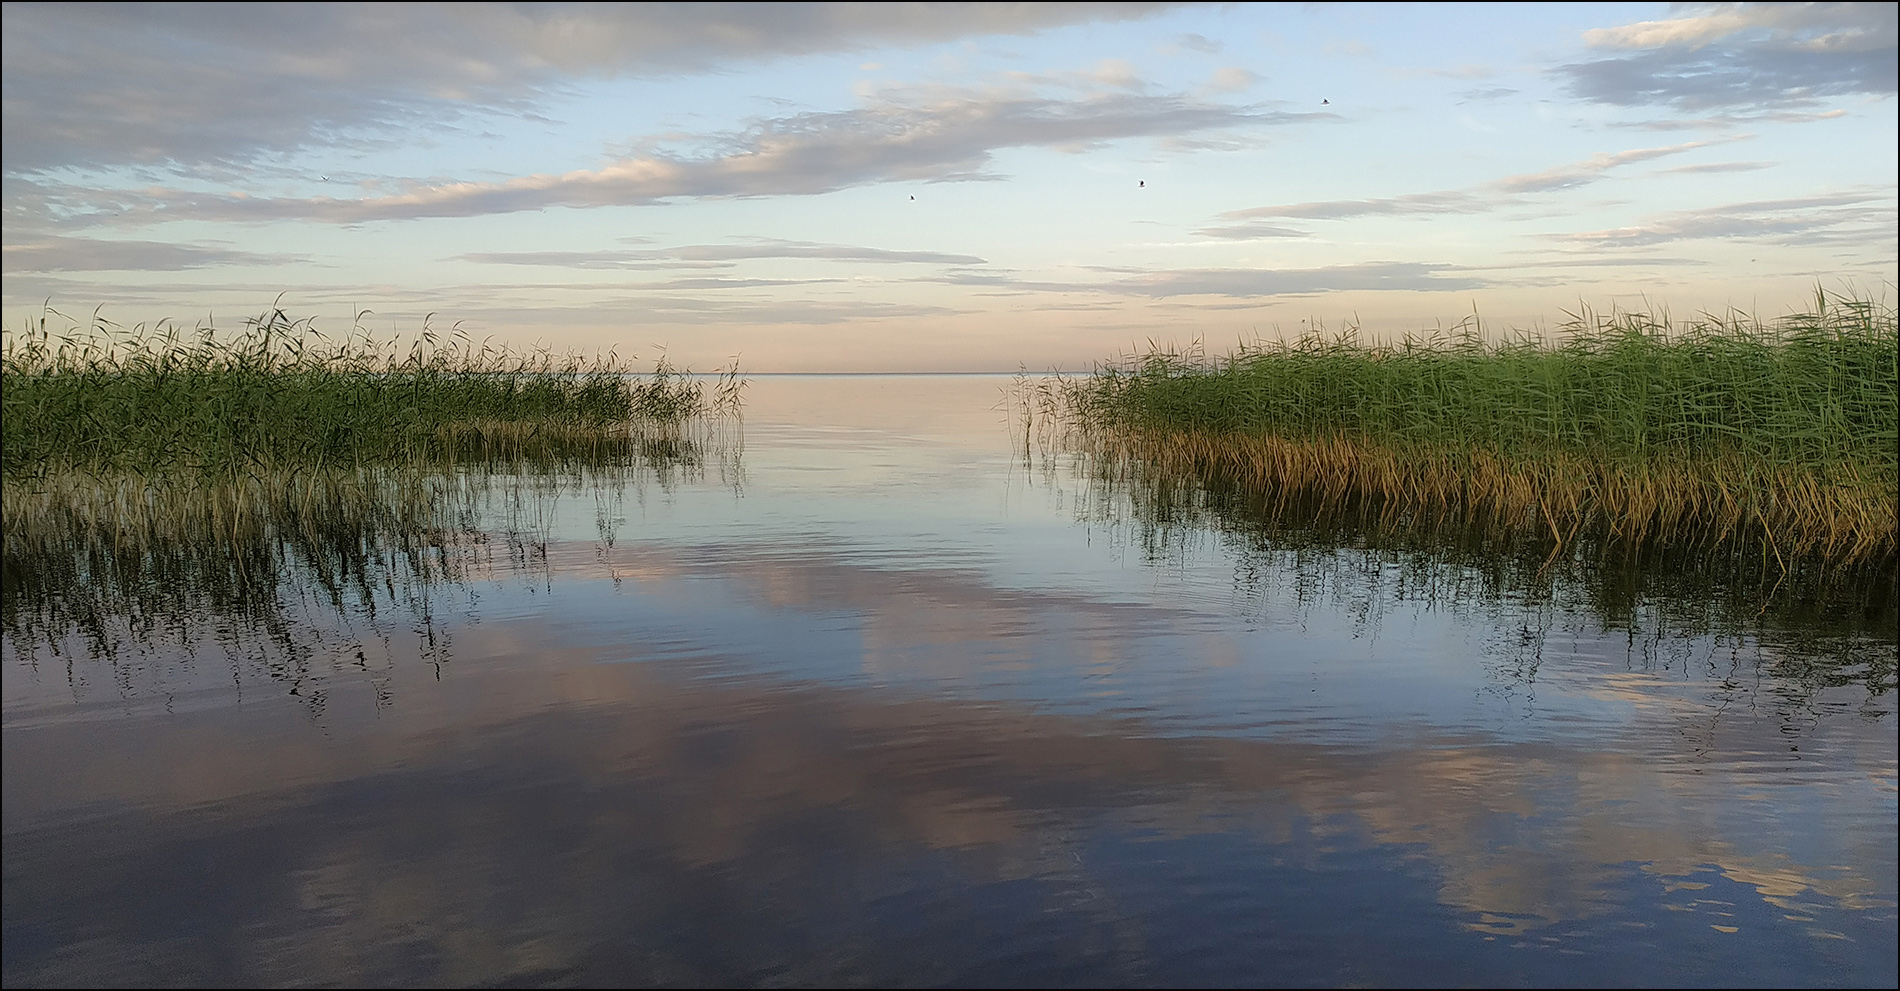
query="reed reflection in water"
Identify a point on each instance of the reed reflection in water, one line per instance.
(1821, 623)
(305, 573)
(898, 709)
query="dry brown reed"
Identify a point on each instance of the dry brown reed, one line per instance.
(1844, 514)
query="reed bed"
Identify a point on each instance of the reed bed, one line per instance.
(101, 401)
(1626, 430)
(154, 475)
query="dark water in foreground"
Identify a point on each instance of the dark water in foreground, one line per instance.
(876, 703)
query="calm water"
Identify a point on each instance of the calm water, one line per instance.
(874, 700)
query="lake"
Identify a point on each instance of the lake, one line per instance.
(879, 690)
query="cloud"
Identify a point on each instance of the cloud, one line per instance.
(1219, 141)
(939, 134)
(1861, 218)
(1237, 283)
(1249, 283)
(761, 248)
(1118, 73)
(1231, 79)
(1493, 93)
(714, 283)
(1570, 261)
(663, 309)
(1443, 201)
(1480, 199)
(1251, 232)
(101, 86)
(524, 306)
(1718, 167)
(1197, 43)
(73, 254)
(1590, 170)
(1765, 56)
(1716, 122)
(1839, 25)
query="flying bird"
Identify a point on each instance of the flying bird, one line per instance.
(913, 199)
(1325, 102)
(1143, 184)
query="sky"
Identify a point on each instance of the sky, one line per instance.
(941, 186)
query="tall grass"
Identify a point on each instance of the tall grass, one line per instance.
(104, 401)
(1782, 437)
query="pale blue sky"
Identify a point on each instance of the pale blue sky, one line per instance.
(734, 180)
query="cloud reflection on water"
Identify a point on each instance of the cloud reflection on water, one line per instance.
(507, 819)
(840, 719)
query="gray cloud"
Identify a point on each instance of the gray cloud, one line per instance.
(932, 135)
(1417, 276)
(1590, 170)
(72, 254)
(1718, 167)
(1443, 201)
(1579, 260)
(680, 284)
(1490, 196)
(1861, 218)
(99, 86)
(1753, 55)
(758, 248)
(1239, 283)
(628, 261)
(660, 309)
(1197, 43)
(524, 306)
(1332, 209)
(1251, 232)
(1717, 122)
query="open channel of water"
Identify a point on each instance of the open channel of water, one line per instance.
(875, 695)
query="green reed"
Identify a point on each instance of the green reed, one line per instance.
(1717, 432)
(1816, 388)
(104, 401)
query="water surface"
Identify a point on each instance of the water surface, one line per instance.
(877, 694)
